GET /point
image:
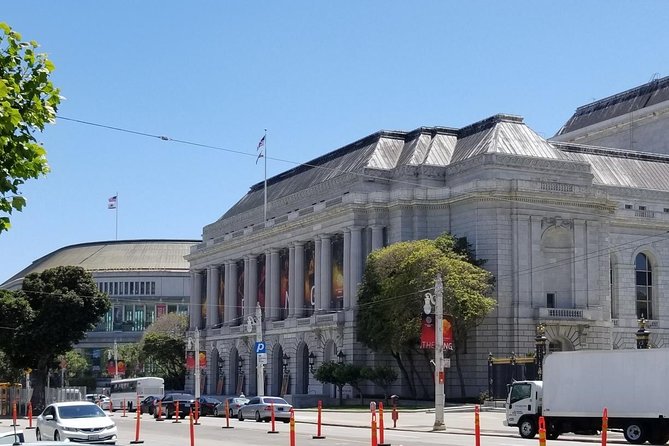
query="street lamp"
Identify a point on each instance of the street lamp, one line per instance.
(340, 357)
(642, 335)
(241, 365)
(312, 362)
(285, 363)
(540, 349)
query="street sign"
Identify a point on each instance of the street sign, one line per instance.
(261, 347)
(447, 363)
(262, 358)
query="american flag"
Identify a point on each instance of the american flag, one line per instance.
(112, 202)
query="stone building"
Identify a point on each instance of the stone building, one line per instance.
(575, 234)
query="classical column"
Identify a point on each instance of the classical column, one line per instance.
(347, 268)
(291, 281)
(356, 265)
(213, 281)
(231, 297)
(377, 237)
(274, 297)
(251, 290)
(326, 272)
(298, 294)
(195, 300)
(268, 283)
(317, 274)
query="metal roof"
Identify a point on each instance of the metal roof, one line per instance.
(118, 255)
(645, 95)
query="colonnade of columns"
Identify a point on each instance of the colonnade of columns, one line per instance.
(353, 260)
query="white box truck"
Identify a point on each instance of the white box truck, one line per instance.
(633, 385)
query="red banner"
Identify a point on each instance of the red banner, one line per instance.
(111, 369)
(190, 360)
(427, 332)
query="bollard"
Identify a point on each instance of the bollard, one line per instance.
(30, 416)
(477, 425)
(273, 431)
(124, 406)
(176, 413)
(605, 425)
(318, 435)
(292, 427)
(111, 407)
(159, 411)
(542, 432)
(227, 416)
(382, 438)
(14, 422)
(139, 415)
(374, 443)
(396, 414)
(192, 429)
(197, 412)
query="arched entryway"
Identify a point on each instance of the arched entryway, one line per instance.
(302, 369)
(329, 354)
(277, 369)
(236, 373)
(216, 372)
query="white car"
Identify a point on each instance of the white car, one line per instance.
(77, 421)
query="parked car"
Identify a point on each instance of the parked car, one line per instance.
(208, 405)
(234, 403)
(149, 404)
(168, 405)
(76, 421)
(101, 400)
(11, 437)
(259, 408)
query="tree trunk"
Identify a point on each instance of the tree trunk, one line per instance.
(404, 372)
(426, 392)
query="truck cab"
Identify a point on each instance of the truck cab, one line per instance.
(523, 406)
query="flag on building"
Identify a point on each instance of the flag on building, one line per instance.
(112, 202)
(261, 148)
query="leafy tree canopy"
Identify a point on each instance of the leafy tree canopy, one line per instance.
(164, 346)
(28, 101)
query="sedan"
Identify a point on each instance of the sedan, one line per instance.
(259, 408)
(234, 404)
(77, 421)
(169, 406)
(148, 404)
(208, 405)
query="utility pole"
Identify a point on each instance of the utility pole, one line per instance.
(439, 355)
(116, 376)
(260, 364)
(196, 369)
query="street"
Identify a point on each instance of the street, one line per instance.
(343, 428)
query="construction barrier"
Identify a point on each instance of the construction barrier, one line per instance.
(605, 425)
(477, 426)
(14, 415)
(139, 416)
(382, 437)
(396, 414)
(191, 428)
(542, 432)
(227, 415)
(374, 442)
(292, 427)
(318, 435)
(176, 413)
(273, 431)
(30, 416)
(159, 411)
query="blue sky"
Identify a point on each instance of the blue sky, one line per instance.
(317, 75)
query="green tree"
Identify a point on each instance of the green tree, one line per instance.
(383, 376)
(65, 304)
(392, 293)
(331, 372)
(164, 346)
(28, 101)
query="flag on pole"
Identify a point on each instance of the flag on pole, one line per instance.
(111, 203)
(260, 149)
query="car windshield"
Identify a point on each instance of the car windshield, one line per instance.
(275, 401)
(81, 411)
(182, 396)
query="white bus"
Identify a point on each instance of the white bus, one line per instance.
(129, 390)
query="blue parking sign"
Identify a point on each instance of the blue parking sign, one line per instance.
(261, 347)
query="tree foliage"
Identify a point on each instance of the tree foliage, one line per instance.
(164, 346)
(334, 373)
(28, 101)
(383, 376)
(392, 293)
(64, 303)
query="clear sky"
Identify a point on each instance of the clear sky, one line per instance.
(317, 75)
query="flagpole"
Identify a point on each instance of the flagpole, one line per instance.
(265, 205)
(116, 212)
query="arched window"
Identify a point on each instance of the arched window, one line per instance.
(644, 287)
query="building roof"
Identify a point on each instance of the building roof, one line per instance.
(632, 100)
(117, 255)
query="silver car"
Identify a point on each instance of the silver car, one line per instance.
(76, 421)
(234, 404)
(259, 408)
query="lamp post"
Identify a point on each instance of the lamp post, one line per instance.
(540, 349)
(312, 362)
(241, 365)
(642, 335)
(285, 358)
(340, 357)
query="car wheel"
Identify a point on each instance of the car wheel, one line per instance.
(169, 414)
(232, 413)
(240, 416)
(215, 411)
(635, 433)
(527, 428)
(151, 410)
(286, 421)
(38, 435)
(258, 419)
(56, 436)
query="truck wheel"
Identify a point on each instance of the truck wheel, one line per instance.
(527, 428)
(635, 433)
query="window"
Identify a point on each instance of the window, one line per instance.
(644, 287)
(132, 287)
(642, 208)
(141, 287)
(520, 392)
(628, 206)
(153, 288)
(550, 300)
(125, 287)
